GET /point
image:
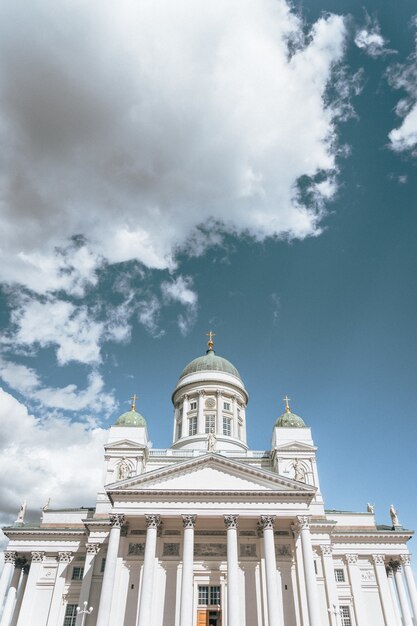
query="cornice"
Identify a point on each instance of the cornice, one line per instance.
(16, 532)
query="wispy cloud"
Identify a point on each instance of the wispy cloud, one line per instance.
(180, 290)
(370, 39)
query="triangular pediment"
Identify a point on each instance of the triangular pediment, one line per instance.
(293, 446)
(125, 444)
(211, 473)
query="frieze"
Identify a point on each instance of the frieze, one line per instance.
(247, 549)
(283, 550)
(210, 533)
(367, 576)
(210, 550)
(171, 549)
(136, 549)
(140, 531)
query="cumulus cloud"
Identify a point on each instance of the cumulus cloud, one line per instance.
(180, 290)
(370, 40)
(69, 398)
(40, 458)
(126, 128)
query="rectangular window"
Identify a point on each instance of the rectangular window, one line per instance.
(77, 573)
(103, 565)
(203, 594)
(227, 426)
(192, 426)
(226, 406)
(345, 613)
(240, 428)
(70, 615)
(193, 406)
(210, 423)
(339, 575)
(215, 595)
(315, 567)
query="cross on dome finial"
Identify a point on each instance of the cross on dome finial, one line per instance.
(287, 406)
(210, 342)
(133, 399)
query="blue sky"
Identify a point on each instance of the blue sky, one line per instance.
(170, 170)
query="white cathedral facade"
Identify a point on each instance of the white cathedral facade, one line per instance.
(208, 532)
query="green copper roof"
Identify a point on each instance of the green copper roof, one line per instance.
(210, 362)
(131, 418)
(290, 420)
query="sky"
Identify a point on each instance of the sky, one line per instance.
(170, 168)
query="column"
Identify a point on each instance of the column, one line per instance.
(20, 593)
(383, 587)
(402, 596)
(267, 525)
(411, 585)
(235, 430)
(219, 414)
(390, 578)
(11, 595)
(145, 600)
(184, 425)
(356, 587)
(330, 582)
(92, 550)
(232, 571)
(63, 559)
(117, 520)
(9, 561)
(200, 413)
(309, 572)
(25, 615)
(186, 606)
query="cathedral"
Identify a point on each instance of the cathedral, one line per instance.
(208, 532)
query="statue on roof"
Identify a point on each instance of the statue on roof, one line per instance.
(370, 508)
(21, 514)
(394, 516)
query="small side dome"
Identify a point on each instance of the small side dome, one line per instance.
(131, 418)
(289, 419)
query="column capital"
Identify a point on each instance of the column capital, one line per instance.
(37, 557)
(10, 557)
(395, 566)
(92, 548)
(64, 557)
(326, 549)
(352, 559)
(303, 522)
(184, 397)
(378, 559)
(117, 520)
(231, 521)
(188, 521)
(21, 562)
(201, 392)
(405, 559)
(153, 520)
(219, 392)
(266, 521)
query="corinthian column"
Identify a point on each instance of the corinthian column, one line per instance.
(9, 605)
(402, 596)
(232, 571)
(356, 586)
(145, 600)
(200, 412)
(330, 583)
(309, 571)
(184, 419)
(9, 562)
(186, 606)
(411, 585)
(390, 578)
(117, 520)
(92, 549)
(383, 588)
(267, 525)
(63, 559)
(36, 566)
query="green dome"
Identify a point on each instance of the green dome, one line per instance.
(210, 362)
(290, 420)
(131, 418)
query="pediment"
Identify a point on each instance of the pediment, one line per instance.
(124, 444)
(295, 446)
(211, 473)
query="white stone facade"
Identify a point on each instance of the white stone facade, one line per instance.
(208, 533)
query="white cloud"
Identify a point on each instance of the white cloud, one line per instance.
(148, 316)
(404, 77)
(128, 125)
(69, 398)
(180, 290)
(43, 458)
(370, 40)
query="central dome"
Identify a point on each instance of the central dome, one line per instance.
(210, 362)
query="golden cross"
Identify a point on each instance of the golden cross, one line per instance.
(133, 398)
(287, 406)
(210, 342)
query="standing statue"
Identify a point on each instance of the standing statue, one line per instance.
(21, 515)
(211, 442)
(394, 516)
(123, 469)
(370, 508)
(299, 473)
